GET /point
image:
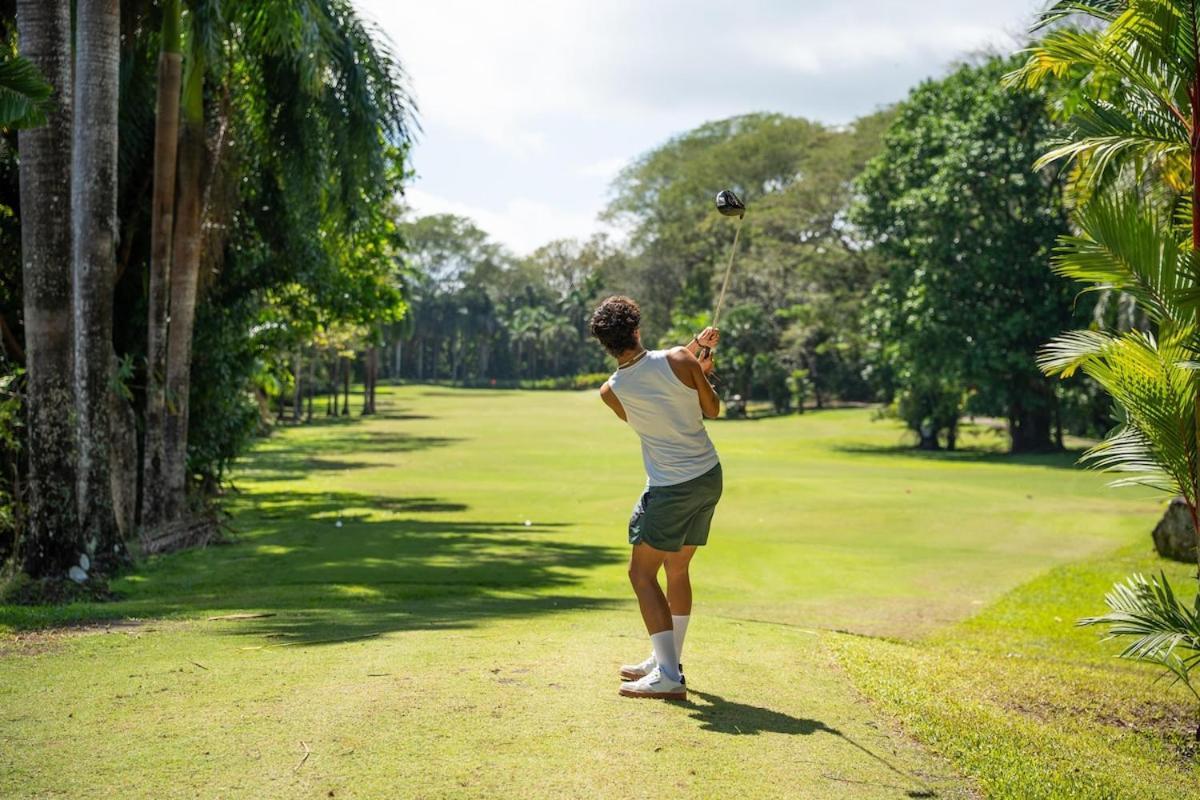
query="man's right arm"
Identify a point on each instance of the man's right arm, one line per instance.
(691, 372)
(710, 403)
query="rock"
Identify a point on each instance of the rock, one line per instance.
(77, 575)
(1174, 536)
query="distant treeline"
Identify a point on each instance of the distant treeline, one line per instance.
(900, 259)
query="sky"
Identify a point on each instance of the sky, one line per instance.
(529, 108)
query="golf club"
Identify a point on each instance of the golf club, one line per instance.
(729, 205)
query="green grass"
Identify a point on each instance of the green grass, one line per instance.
(435, 645)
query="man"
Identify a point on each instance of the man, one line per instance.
(664, 395)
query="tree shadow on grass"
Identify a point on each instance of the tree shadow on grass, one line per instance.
(719, 715)
(390, 565)
(1062, 459)
(297, 462)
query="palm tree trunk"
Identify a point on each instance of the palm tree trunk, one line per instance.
(51, 542)
(94, 218)
(166, 140)
(1194, 95)
(185, 272)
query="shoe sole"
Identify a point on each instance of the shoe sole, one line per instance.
(626, 675)
(655, 695)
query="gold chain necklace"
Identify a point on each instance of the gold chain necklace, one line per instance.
(633, 360)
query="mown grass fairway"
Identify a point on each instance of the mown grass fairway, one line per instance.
(434, 644)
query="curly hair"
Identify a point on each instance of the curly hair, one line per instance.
(615, 322)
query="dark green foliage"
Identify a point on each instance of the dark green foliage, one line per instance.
(480, 314)
(798, 262)
(966, 229)
(24, 94)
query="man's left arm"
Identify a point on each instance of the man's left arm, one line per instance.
(707, 338)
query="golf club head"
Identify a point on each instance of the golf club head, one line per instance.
(729, 204)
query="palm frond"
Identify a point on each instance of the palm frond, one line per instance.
(1126, 247)
(24, 94)
(1162, 629)
(1153, 385)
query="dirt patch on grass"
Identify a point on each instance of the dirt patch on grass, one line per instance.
(45, 640)
(1172, 723)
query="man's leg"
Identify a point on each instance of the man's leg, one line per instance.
(644, 564)
(679, 593)
(679, 584)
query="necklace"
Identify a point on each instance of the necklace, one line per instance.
(633, 360)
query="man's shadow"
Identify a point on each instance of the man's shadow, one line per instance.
(741, 719)
(725, 716)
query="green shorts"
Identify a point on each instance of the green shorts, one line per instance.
(669, 517)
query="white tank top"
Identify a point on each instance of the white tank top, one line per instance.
(666, 415)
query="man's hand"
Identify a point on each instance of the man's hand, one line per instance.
(709, 337)
(706, 360)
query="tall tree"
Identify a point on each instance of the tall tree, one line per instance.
(966, 231)
(162, 224)
(1135, 146)
(184, 276)
(94, 219)
(51, 543)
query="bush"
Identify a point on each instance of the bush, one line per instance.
(588, 380)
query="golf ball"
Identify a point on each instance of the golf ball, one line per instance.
(338, 523)
(528, 523)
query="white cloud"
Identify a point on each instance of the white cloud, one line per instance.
(520, 223)
(812, 51)
(606, 168)
(530, 107)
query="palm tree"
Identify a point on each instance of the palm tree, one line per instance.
(184, 275)
(1139, 118)
(166, 140)
(557, 335)
(51, 544)
(94, 220)
(329, 88)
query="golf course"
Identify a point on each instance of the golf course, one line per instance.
(432, 602)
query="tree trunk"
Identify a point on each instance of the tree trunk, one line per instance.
(346, 368)
(166, 140)
(185, 272)
(927, 438)
(366, 394)
(1031, 420)
(332, 399)
(1194, 95)
(51, 542)
(123, 461)
(297, 394)
(94, 218)
(373, 373)
(312, 385)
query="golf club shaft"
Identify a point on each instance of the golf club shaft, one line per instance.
(728, 270)
(724, 285)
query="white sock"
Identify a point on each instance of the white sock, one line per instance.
(680, 624)
(663, 643)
